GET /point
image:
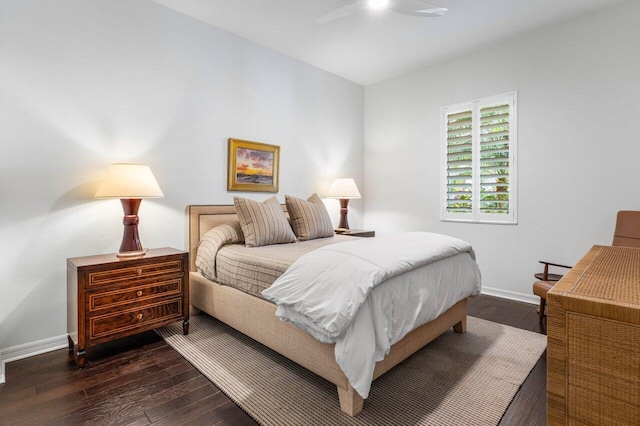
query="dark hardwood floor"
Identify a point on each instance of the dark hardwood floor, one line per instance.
(141, 380)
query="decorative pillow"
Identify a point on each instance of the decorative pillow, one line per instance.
(309, 219)
(211, 242)
(263, 223)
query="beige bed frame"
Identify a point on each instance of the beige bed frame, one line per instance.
(256, 318)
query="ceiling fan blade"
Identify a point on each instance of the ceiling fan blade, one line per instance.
(418, 8)
(339, 13)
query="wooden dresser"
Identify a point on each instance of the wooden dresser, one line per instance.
(110, 297)
(593, 329)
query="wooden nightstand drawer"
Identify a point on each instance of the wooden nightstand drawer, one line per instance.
(141, 271)
(139, 318)
(139, 294)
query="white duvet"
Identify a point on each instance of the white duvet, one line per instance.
(367, 294)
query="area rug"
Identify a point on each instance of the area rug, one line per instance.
(465, 379)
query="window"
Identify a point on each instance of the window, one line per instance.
(479, 173)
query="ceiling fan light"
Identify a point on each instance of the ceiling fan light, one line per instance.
(377, 4)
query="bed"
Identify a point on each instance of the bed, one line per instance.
(256, 317)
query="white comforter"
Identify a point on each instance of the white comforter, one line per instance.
(367, 294)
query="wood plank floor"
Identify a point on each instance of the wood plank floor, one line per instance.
(141, 380)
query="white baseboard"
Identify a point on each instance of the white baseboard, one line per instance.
(511, 295)
(30, 349)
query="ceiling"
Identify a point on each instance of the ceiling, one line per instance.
(371, 46)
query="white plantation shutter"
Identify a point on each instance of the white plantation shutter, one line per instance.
(459, 162)
(494, 159)
(479, 166)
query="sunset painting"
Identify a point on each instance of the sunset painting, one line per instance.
(253, 166)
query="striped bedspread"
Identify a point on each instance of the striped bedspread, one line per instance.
(254, 269)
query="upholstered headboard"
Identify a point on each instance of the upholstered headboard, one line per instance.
(205, 217)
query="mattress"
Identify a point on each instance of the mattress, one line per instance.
(254, 269)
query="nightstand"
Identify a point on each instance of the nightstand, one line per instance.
(110, 297)
(358, 233)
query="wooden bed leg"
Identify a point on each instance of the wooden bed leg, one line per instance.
(461, 327)
(350, 401)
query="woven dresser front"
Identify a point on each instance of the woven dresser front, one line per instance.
(593, 329)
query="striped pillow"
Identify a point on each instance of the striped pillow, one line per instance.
(212, 241)
(309, 219)
(263, 223)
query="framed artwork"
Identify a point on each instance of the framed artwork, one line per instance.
(252, 166)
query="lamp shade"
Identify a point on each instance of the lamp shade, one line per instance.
(344, 188)
(129, 181)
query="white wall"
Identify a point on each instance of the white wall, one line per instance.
(579, 103)
(84, 84)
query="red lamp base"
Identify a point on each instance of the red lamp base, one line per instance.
(131, 245)
(344, 223)
(132, 253)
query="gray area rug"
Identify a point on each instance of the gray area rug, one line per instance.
(458, 379)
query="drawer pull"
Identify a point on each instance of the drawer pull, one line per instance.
(139, 293)
(139, 271)
(139, 316)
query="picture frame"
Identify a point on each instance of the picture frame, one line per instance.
(253, 166)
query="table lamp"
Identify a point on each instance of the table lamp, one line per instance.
(130, 183)
(344, 189)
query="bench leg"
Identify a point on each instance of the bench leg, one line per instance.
(350, 401)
